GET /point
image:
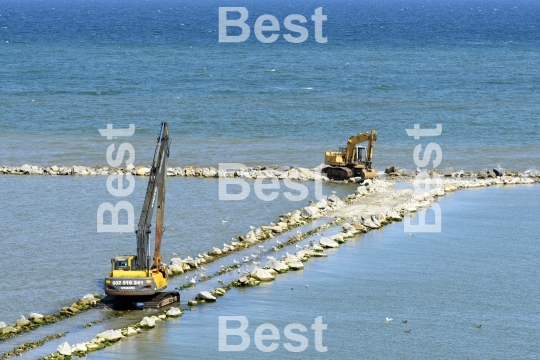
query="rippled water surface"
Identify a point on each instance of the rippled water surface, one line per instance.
(480, 270)
(52, 236)
(69, 68)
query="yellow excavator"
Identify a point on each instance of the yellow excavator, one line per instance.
(353, 160)
(132, 280)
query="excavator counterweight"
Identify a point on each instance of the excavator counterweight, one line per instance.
(353, 160)
(132, 280)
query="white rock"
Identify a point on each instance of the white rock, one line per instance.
(316, 247)
(339, 238)
(176, 269)
(370, 222)
(322, 204)
(261, 274)
(143, 171)
(326, 242)
(209, 173)
(215, 251)
(295, 218)
(449, 187)
(219, 292)
(293, 174)
(22, 321)
(79, 347)
(147, 322)
(296, 265)
(268, 174)
(64, 349)
(173, 312)
(33, 316)
(361, 190)
(111, 335)
(290, 259)
(206, 296)
(176, 261)
(88, 297)
(2, 325)
(309, 211)
(243, 174)
(276, 265)
(312, 253)
(131, 331)
(393, 215)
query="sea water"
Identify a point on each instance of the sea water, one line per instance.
(481, 269)
(69, 69)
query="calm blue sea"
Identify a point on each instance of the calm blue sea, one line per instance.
(69, 68)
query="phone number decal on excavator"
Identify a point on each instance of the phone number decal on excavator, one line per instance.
(127, 282)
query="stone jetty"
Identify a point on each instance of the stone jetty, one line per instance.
(253, 173)
(258, 172)
(374, 204)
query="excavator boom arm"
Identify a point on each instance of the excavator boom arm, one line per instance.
(371, 145)
(155, 193)
(359, 138)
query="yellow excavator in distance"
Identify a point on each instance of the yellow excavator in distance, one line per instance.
(353, 160)
(133, 282)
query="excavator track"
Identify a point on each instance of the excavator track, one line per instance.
(148, 302)
(338, 173)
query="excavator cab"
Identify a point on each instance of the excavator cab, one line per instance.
(121, 263)
(360, 155)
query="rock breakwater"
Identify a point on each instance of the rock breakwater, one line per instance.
(252, 173)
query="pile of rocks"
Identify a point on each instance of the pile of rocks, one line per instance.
(106, 338)
(259, 172)
(286, 222)
(86, 302)
(449, 172)
(35, 320)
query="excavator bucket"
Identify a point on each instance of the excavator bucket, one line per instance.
(370, 174)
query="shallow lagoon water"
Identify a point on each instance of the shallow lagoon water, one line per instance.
(52, 240)
(482, 269)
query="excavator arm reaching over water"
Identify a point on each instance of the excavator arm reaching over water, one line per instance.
(132, 279)
(155, 195)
